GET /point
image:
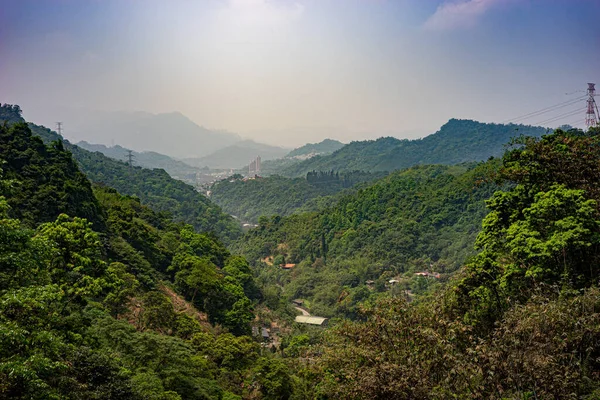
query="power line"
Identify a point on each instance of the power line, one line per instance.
(559, 117)
(548, 109)
(575, 122)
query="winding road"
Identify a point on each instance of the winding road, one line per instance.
(303, 311)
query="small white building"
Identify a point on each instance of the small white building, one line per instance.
(309, 319)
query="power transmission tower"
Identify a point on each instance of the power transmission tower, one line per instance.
(591, 115)
(59, 128)
(130, 158)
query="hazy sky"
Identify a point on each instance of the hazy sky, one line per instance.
(291, 71)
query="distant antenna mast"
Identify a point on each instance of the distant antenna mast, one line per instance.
(59, 128)
(130, 158)
(591, 115)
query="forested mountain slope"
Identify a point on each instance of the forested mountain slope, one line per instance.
(158, 190)
(154, 187)
(277, 195)
(134, 307)
(456, 142)
(47, 179)
(521, 320)
(146, 159)
(324, 147)
(400, 224)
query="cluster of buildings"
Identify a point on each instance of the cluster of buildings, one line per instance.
(254, 167)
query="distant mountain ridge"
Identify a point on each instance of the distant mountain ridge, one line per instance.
(326, 146)
(167, 133)
(147, 159)
(238, 155)
(457, 141)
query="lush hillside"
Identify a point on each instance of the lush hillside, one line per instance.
(47, 179)
(275, 166)
(167, 133)
(422, 218)
(327, 146)
(238, 155)
(154, 188)
(456, 142)
(147, 159)
(520, 322)
(142, 308)
(276, 195)
(138, 306)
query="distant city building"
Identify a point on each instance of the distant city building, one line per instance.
(254, 167)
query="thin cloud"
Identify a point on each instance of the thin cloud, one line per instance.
(458, 14)
(261, 12)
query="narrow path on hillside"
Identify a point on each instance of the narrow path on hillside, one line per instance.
(303, 311)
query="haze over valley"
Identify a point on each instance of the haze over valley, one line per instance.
(299, 199)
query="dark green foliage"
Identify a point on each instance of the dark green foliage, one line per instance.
(40, 328)
(272, 379)
(138, 237)
(456, 142)
(11, 113)
(276, 195)
(199, 265)
(170, 362)
(49, 181)
(545, 229)
(63, 286)
(521, 321)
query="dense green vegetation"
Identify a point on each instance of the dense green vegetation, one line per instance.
(456, 142)
(158, 190)
(154, 187)
(103, 297)
(139, 307)
(521, 321)
(418, 219)
(48, 179)
(11, 113)
(277, 195)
